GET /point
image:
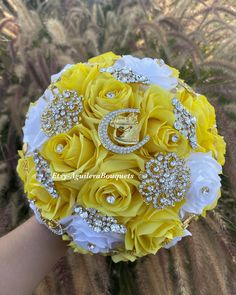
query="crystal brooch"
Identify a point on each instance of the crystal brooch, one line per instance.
(98, 222)
(165, 180)
(126, 131)
(43, 174)
(125, 75)
(185, 123)
(61, 112)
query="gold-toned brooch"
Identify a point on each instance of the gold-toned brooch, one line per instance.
(126, 131)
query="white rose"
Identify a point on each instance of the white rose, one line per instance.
(159, 74)
(205, 183)
(33, 135)
(177, 239)
(85, 237)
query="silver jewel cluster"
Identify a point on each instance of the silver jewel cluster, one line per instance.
(98, 222)
(61, 113)
(185, 123)
(165, 180)
(106, 141)
(125, 75)
(43, 174)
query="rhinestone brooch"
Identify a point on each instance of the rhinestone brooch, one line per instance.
(125, 75)
(107, 121)
(165, 180)
(43, 174)
(98, 222)
(61, 113)
(185, 123)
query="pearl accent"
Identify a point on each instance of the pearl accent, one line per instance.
(205, 190)
(175, 138)
(59, 148)
(110, 94)
(110, 199)
(91, 246)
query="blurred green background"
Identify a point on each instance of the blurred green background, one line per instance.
(38, 37)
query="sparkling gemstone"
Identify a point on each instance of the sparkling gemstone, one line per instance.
(177, 125)
(66, 94)
(125, 75)
(110, 199)
(160, 157)
(98, 223)
(205, 190)
(156, 169)
(174, 101)
(150, 188)
(91, 246)
(77, 209)
(97, 229)
(149, 199)
(110, 94)
(84, 215)
(193, 120)
(144, 176)
(125, 71)
(184, 132)
(114, 227)
(175, 138)
(172, 163)
(59, 148)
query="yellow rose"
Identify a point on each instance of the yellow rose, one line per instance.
(218, 146)
(174, 71)
(107, 94)
(123, 256)
(77, 77)
(208, 138)
(157, 120)
(147, 232)
(80, 75)
(105, 60)
(26, 169)
(78, 150)
(94, 194)
(51, 208)
(102, 93)
(117, 177)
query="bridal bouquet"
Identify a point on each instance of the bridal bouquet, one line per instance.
(119, 155)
